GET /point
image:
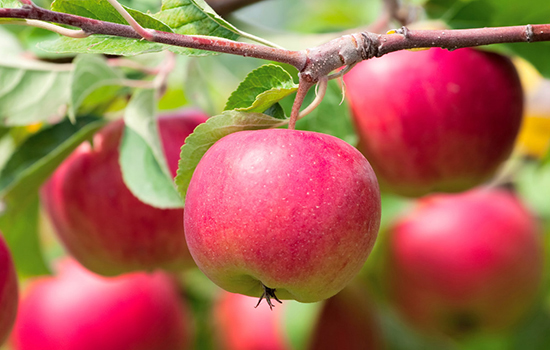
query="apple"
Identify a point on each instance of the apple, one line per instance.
(79, 310)
(344, 321)
(101, 223)
(8, 291)
(462, 263)
(282, 210)
(434, 120)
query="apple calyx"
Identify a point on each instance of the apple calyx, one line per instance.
(268, 294)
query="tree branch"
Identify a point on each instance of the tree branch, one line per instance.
(92, 26)
(315, 63)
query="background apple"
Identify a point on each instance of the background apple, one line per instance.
(240, 326)
(435, 120)
(78, 310)
(465, 263)
(291, 210)
(344, 321)
(8, 291)
(100, 221)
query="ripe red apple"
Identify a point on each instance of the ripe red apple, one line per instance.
(465, 262)
(99, 220)
(435, 120)
(78, 310)
(292, 211)
(8, 291)
(345, 321)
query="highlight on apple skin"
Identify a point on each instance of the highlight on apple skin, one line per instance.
(79, 310)
(101, 223)
(9, 291)
(464, 263)
(435, 121)
(282, 210)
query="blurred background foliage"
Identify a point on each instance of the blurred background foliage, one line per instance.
(207, 82)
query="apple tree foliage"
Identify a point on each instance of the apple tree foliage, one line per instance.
(56, 92)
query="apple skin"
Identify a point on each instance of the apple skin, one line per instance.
(9, 292)
(461, 263)
(290, 210)
(345, 321)
(434, 120)
(79, 310)
(101, 223)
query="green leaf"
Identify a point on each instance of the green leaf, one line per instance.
(103, 11)
(19, 225)
(261, 89)
(28, 167)
(189, 18)
(92, 74)
(31, 91)
(206, 134)
(497, 13)
(101, 44)
(143, 164)
(182, 17)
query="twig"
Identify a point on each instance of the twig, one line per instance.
(147, 34)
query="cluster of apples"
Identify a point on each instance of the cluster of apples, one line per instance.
(440, 121)
(289, 214)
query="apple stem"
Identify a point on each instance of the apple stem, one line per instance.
(303, 88)
(268, 294)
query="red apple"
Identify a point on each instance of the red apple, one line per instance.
(292, 211)
(78, 310)
(8, 291)
(435, 120)
(99, 220)
(466, 262)
(345, 321)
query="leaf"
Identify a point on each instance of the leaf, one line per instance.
(90, 74)
(19, 225)
(182, 17)
(189, 18)
(261, 89)
(28, 167)
(31, 91)
(143, 164)
(101, 44)
(103, 11)
(497, 13)
(206, 134)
